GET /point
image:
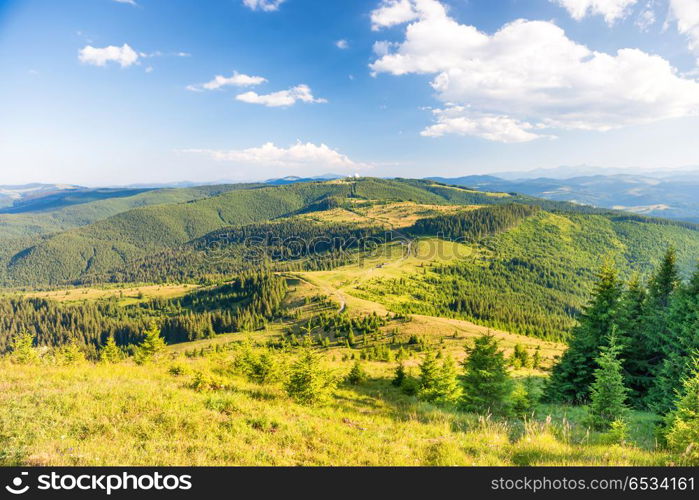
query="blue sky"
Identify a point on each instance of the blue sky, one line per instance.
(118, 92)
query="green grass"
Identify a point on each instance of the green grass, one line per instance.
(125, 414)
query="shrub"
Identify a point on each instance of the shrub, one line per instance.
(308, 382)
(357, 375)
(204, 382)
(618, 432)
(259, 365)
(178, 369)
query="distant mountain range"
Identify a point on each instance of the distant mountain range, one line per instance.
(661, 193)
(675, 196)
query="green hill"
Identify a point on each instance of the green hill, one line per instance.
(80, 209)
(149, 233)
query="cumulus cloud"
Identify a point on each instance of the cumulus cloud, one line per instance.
(612, 10)
(529, 76)
(263, 5)
(236, 80)
(686, 14)
(124, 56)
(461, 121)
(342, 44)
(282, 98)
(393, 12)
(298, 157)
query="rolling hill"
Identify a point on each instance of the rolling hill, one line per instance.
(670, 197)
(526, 270)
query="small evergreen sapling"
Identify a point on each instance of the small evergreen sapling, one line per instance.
(683, 423)
(23, 351)
(152, 345)
(308, 382)
(608, 392)
(357, 375)
(110, 353)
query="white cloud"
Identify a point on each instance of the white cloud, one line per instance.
(130, 2)
(393, 12)
(686, 14)
(282, 98)
(263, 5)
(300, 156)
(237, 80)
(529, 76)
(460, 121)
(342, 44)
(124, 56)
(646, 18)
(612, 10)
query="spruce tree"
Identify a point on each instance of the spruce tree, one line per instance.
(633, 344)
(608, 393)
(151, 346)
(429, 376)
(22, 350)
(680, 347)
(486, 383)
(661, 335)
(682, 424)
(309, 383)
(110, 353)
(399, 376)
(357, 375)
(438, 381)
(573, 375)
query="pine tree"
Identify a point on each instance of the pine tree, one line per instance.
(608, 393)
(683, 423)
(572, 377)
(429, 376)
(661, 335)
(69, 354)
(22, 350)
(448, 388)
(151, 346)
(635, 351)
(110, 353)
(486, 383)
(439, 383)
(680, 347)
(399, 376)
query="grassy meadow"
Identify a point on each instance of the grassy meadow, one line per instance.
(126, 414)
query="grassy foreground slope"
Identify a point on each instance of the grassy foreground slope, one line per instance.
(76, 415)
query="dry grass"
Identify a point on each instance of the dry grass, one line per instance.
(129, 294)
